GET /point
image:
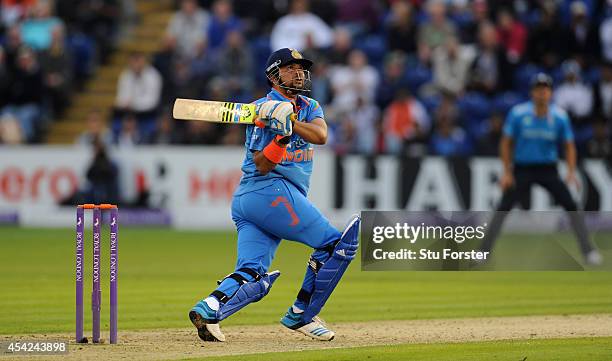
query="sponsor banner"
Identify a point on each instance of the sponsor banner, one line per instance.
(194, 185)
(474, 241)
(434, 183)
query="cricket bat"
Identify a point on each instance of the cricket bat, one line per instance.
(216, 112)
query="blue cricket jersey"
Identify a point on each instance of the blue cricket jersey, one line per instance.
(296, 166)
(536, 138)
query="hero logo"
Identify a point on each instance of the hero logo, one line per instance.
(18, 184)
(215, 186)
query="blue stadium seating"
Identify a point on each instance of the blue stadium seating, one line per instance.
(417, 76)
(503, 102)
(523, 76)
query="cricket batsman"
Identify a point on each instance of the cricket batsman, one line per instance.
(528, 150)
(270, 204)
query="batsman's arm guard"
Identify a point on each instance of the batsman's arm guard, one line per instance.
(330, 273)
(248, 292)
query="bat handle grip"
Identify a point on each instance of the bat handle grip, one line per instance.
(294, 117)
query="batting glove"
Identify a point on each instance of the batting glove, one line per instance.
(277, 116)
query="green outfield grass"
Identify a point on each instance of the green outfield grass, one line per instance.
(584, 349)
(162, 273)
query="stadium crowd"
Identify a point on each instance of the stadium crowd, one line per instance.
(407, 77)
(48, 48)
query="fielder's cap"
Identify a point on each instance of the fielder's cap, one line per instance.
(286, 56)
(541, 79)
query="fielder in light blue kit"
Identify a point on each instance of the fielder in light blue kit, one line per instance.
(270, 204)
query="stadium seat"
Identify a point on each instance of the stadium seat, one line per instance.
(504, 101)
(417, 76)
(474, 106)
(523, 76)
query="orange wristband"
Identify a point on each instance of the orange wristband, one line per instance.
(275, 152)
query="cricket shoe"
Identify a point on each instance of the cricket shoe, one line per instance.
(315, 329)
(594, 258)
(204, 319)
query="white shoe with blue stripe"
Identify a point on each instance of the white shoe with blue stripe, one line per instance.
(315, 329)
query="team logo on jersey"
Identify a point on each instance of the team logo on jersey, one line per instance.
(296, 54)
(527, 120)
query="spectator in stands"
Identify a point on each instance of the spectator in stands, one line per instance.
(25, 93)
(12, 45)
(435, 32)
(165, 134)
(10, 131)
(321, 85)
(401, 29)
(235, 66)
(488, 144)
(490, 72)
(128, 136)
(360, 16)
(394, 78)
(448, 139)
(36, 31)
(222, 22)
(605, 33)
(343, 43)
(182, 84)
(603, 93)
(138, 92)
(356, 80)
(97, 131)
(102, 177)
(544, 44)
(512, 35)
(98, 19)
(405, 124)
(56, 65)
(581, 38)
(163, 61)
(574, 96)
(203, 66)
(12, 11)
(187, 28)
(5, 80)
(470, 30)
(451, 65)
(363, 119)
(292, 29)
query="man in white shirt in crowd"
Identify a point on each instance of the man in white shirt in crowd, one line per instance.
(187, 28)
(138, 93)
(573, 95)
(293, 29)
